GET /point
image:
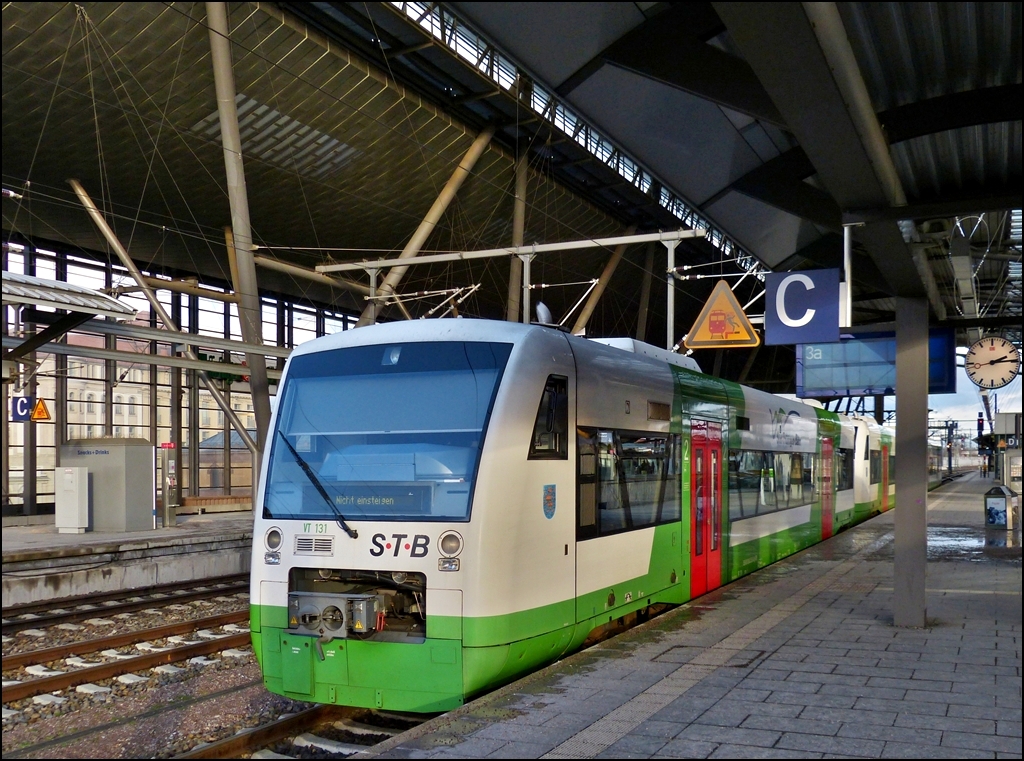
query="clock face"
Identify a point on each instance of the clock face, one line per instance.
(992, 362)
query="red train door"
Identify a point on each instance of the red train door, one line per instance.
(827, 488)
(885, 478)
(706, 512)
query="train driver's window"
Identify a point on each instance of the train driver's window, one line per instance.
(551, 429)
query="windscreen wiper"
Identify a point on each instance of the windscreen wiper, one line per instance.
(319, 486)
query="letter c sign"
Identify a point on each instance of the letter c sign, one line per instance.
(780, 301)
(802, 307)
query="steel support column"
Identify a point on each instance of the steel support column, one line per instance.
(602, 284)
(911, 461)
(670, 295)
(249, 312)
(165, 318)
(440, 205)
(515, 272)
(645, 293)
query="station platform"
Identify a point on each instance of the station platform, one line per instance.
(800, 659)
(41, 564)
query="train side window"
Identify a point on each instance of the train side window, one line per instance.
(892, 469)
(875, 466)
(844, 470)
(766, 482)
(625, 481)
(586, 506)
(551, 429)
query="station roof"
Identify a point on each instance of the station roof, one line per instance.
(54, 294)
(770, 127)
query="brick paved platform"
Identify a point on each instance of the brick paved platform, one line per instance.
(798, 660)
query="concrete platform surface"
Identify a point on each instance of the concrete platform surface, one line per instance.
(40, 564)
(800, 659)
(31, 542)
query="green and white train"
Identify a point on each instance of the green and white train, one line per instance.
(448, 504)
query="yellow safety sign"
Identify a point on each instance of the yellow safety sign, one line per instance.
(722, 324)
(39, 411)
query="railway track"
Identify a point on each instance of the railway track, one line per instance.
(334, 730)
(95, 673)
(51, 654)
(72, 609)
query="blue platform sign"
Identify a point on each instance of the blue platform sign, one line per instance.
(801, 307)
(21, 408)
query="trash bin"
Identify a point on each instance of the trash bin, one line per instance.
(1002, 508)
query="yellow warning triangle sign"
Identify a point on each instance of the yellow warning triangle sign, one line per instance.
(39, 411)
(722, 324)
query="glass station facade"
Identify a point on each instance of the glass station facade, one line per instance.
(99, 389)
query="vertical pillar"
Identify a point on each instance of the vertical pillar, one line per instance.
(225, 424)
(28, 436)
(5, 448)
(515, 274)
(175, 401)
(846, 287)
(527, 259)
(109, 376)
(670, 295)
(880, 408)
(60, 401)
(249, 314)
(645, 293)
(154, 375)
(911, 461)
(193, 406)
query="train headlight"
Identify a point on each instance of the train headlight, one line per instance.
(272, 558)
(273, 539)
(447, 564)
(450, 544)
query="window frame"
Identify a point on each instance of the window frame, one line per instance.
(673, 456)
(808, 461)
(561, 384)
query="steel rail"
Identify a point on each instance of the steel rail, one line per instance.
(33, 607)
(116, 668)
(57, 652)
(127, 607)
(260, 737)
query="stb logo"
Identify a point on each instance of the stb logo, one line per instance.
(417, 548)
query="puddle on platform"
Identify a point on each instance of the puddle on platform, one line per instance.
(972, 544)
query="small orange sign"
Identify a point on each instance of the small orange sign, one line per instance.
(39, 412)
(722, 324)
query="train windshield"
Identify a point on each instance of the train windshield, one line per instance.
(386, 432)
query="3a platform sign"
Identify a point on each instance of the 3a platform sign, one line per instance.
(25, 409)
(722, 323)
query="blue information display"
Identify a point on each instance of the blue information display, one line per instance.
(866, 365)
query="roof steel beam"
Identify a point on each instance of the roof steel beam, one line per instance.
(780, 183)
(142, 358)
(824, 101)
(161, 312)
(437, 209)
(1000, 199)
(989, 105)
(671, 49)
(536, 248)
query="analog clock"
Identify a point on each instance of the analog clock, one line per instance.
(992, 362)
